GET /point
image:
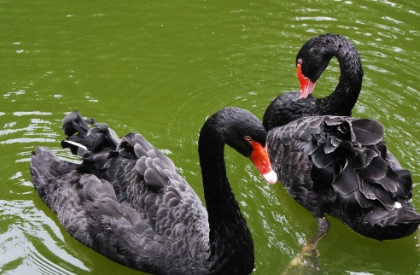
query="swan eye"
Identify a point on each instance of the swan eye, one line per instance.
(248, 138)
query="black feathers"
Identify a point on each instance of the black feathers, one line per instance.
(346, 157)
(338, 165)
(367, 131)
(127, 201)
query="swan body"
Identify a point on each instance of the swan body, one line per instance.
(337, 165)
(332, 163)
(127, 201)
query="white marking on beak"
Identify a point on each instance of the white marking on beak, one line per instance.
(270, 177)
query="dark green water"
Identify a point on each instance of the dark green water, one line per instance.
(160, 68)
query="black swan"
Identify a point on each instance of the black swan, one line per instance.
(127, 201)
(332, 163)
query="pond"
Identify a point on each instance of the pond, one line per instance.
(161, 68)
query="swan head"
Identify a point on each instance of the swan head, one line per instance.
(259, 157)
(307, 86)
(245, 133)
(312, 59)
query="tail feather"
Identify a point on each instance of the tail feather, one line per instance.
(82, 139)
(403, 215)
(402, 221)
(74, 123)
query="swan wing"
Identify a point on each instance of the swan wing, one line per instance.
(340, 166)
(126, 200)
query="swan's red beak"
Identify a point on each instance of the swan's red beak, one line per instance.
(261, 160)
(306, 85)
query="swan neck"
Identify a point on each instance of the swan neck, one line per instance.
(342, 100)
(231, 246)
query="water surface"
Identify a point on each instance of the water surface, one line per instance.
(160, 68)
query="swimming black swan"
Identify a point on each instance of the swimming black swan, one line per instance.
(332, 163)
(127, 201)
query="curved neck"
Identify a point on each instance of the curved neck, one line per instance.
(346, 93)
(231, 246)
(288, 106)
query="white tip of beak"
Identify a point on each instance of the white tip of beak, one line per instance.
(270, 177)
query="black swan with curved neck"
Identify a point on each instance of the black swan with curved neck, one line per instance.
(127, 201)
(332, 163)
(313, 58)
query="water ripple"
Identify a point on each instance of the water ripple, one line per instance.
(22, 240)
(161, 69)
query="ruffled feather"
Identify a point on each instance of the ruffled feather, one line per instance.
(347, 173)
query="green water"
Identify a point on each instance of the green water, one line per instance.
(160, 68)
